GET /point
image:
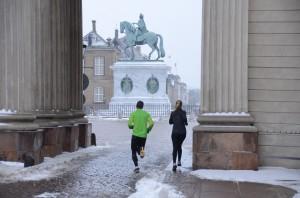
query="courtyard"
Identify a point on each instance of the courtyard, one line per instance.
(107, 171)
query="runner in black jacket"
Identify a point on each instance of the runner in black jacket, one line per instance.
(179, 121)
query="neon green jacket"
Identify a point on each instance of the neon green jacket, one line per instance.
(140, 122)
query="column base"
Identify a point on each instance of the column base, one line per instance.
(85, 131)
(70, 140)
(53, 141)
(66, 138)
(225, 145)
(43, 137)
(14, 144)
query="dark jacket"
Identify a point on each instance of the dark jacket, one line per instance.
(178, 119)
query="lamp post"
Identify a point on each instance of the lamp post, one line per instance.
(84, 77)
(83, 56)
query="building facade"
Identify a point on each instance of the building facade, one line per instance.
(99, 56)
(194, 97)
(176, 90)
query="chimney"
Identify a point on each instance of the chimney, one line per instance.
(116, 34)
(94, 25)
(90, 40)
(109, 41)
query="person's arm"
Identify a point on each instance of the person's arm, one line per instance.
(171, 119)
(184, 118)
(150, 123)
(131, 121)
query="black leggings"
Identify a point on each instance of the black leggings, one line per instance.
(136, 145)
(177, 140)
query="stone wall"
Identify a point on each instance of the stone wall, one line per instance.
(274, 79)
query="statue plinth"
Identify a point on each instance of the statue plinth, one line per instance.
(141, 80)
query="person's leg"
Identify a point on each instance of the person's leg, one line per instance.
(174, 153)
(134, 150)
(180, 141)
(175, 150)
(142, 143)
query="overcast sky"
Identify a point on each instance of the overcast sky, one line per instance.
(178, 21)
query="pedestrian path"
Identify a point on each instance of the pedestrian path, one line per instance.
(108, 172)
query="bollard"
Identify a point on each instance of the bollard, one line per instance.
(93, 139)
(28, 160)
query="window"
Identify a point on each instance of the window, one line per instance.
(98, 94)
(99, 65)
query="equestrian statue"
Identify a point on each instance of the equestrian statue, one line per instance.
(137, 34)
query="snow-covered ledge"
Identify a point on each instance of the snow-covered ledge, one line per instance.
(7, 111)
(226, 118)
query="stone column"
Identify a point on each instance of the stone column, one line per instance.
(225, 137)
(40, 65)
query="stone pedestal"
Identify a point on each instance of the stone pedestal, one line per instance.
(15, 144)
(140, 80)
(71, 136)
(218, 144)
(85, 131)
(53, 141)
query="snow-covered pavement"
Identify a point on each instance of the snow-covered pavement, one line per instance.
(151, 188)
(11, 172)
(107, 171)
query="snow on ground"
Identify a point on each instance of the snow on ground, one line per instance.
(93, 118)
(51, 167)
(151, 188)
(90, 117)
(48, 195)
(186, 161)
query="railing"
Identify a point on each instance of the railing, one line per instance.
(124, 110)
(190, 109)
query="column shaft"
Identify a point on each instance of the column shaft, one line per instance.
(224, 60)
(40, 56)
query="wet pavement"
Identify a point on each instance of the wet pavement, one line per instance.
(110, 172)
(193, 187)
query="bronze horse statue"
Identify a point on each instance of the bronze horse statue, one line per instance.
(149, 38)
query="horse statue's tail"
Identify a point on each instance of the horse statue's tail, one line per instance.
(161, 46)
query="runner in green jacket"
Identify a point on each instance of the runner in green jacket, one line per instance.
(141, 124)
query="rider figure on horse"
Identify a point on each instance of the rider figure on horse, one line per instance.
(141, 29)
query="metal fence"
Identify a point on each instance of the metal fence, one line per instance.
(124, 110)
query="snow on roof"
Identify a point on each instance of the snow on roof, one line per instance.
(95, 40)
